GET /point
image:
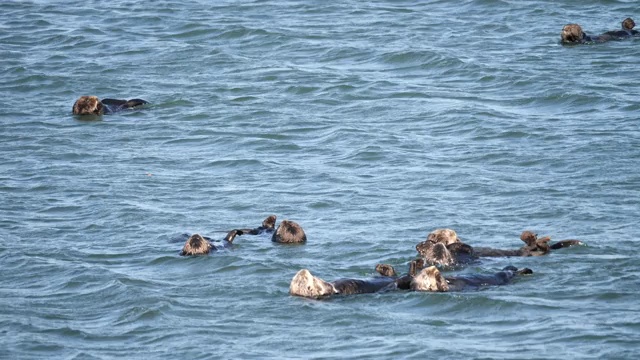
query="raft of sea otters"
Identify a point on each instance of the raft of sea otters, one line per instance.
(441, 250)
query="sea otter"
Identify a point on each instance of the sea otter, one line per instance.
(573, 34)
(627, 30)
(200, 245)
(306, 285)
(450, 251)
(91, 105)
(289, 232)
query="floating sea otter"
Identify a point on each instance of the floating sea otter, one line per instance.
(304, 284)
(443, 247)
(627, 30)
(268, 226)
(200, 245)
(91, 105)
(573, 34)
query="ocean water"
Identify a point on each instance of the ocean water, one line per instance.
(370, 123)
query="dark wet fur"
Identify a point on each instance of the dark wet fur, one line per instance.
(476, 281)
(490, 252)
(358, 286)
(114, 105)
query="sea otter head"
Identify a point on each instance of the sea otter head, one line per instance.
(196, 245)
(429, 279)
(386, 270)
(306, 285)
(88, 105)
(528, 237)
(535, 246)
(572, 33)
(628, 24)
(436, 254)
(444, 236)
(289, 232)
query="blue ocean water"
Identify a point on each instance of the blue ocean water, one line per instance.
(368, 123)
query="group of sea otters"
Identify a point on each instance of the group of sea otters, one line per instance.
(441, 250)
(571, 34)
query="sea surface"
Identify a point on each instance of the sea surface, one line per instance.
(370, 123)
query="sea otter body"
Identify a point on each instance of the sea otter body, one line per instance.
(196, 245)
(91, 105)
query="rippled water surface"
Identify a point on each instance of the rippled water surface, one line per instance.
(368, 123)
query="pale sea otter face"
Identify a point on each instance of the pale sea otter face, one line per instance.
(88, 105)
(436, 254)
(196, 245)
(306, 285)
(572, 33)
(443, 236)
(429, 279)
(628, 24)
